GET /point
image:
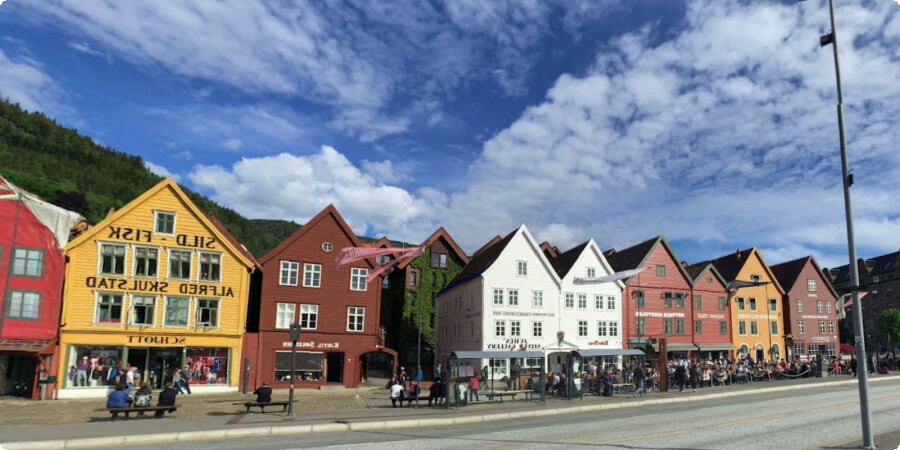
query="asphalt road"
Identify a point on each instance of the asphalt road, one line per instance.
(826, 417)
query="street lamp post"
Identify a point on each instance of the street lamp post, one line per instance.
(847, 181)
(295, 336)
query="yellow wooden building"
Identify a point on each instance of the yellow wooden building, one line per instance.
(757, 314)
(156, 286)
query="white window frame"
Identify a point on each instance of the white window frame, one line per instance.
(742, 327)
(214, 322)
(156, 216)
(569, 300)
(602, 328)
(582, 328)
(497, 296)
(499, 328)
(801, 327)
(16, 302)
(582, 300)
(811, 284)
(799, 305)
(513, 296)
(515, 328)
(611, 302)
(537, 329)
(100, 255)
(591, 272)
(166, 311)
(830, 327)
(312, 275)
(613, 328)
(287, 269)
(356, 319)
(312, 313)
(122, 309)
(170, 260)
(139, 299)
(522, 268)
(821, 327)
(200, 265)
(598, 301)
(754, 328)
(134, 260)
(282, 321)
(537, 299)
(358, 279)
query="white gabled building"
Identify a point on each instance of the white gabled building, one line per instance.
(511, 296)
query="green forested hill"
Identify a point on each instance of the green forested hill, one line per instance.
(72, 171)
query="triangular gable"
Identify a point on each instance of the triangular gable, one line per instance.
(481, 260)
(753, 252)
(536, 248)
(329, 211)
(635, 256)
(441, 233)
(789, 272)
(568, 259)
(696, 271)
(166, 183)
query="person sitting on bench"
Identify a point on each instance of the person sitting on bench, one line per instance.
(118, 398)
(263, 393)
(166, 398)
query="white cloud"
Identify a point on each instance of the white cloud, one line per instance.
(160, 170)
(296, 187)
(23, 81)
(233, 144)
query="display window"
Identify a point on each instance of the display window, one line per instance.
(307, 366)
(93, 366)
(207, 365)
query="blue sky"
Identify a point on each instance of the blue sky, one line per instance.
(711, 122)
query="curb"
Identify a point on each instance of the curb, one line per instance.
(114, 441)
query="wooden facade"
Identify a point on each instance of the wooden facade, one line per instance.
(339, 314)
(157, 286)
(810, 310)
(712, 313)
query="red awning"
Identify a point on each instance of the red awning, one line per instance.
(27, 346)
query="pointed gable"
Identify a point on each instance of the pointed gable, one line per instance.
(481, 261)
(564, 261)
(695, 271)
(168, 184)
(788, 273)
(635, 256)
(330, 212)
(442, 235)
(730, 265)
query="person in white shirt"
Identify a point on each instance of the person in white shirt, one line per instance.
(396, 394)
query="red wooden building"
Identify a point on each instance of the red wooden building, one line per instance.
(32, 233)
(810, 312)
(656, 302)
(711, 312)
(338, 312)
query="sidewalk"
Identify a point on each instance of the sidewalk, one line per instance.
(75, 423)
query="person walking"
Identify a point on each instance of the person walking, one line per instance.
(186, 376)
(514, 371)
(680, 377)
(639, 378)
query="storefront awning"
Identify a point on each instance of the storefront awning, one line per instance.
(27, 346)
(676, 347)
(715, 347)
(608, 352)
(496, 354)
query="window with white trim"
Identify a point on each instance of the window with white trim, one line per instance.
(284, 315)
(143, 310)
(112, 259)
(522, 268)
(164, 222)
(109, 308)
(811, 284)
(821, 327)
(312, 275)
(499, 328)
(582, 328)
(309, 317)
(177, 311)
(356, 316)
(582, 301)
(610, 302)
(537, 329)
(742, 327)
(830, 327)
(23, 305)
(598, 301)
(290, 272)
(773, 328)
(602, 328)
(498, 296)
(570, 300)
(827, 307)
(801, 327)
(515, 328)
(513, 295)
(752, 302)
(180, 264)
(146, 261)
(754, 328)
(820, 307)
(210, 266)
(207, 313)
(614, 329)
(591, 272)
(537, 299)
(799, 305)
(358, 278)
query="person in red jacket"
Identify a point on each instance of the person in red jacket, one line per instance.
(473, 387)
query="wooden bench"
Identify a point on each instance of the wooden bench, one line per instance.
(525, 393)
(140, 410)
(262, 405)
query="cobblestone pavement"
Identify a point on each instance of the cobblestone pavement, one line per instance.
(18, 412)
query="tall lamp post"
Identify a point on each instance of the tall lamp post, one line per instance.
(295, 336)
(847, 181)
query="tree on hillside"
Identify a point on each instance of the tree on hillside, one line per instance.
(888, 323)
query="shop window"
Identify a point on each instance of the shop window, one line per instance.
(499, 366)
(207, 313)
(180, 264)
(289, 273)
(112, 259)
(109, 308)
(356, 317)
(165, 222)
(309, 316)
(24, 305)
(307, 366)
(177, 309)
(28, 262)
(143, 309)
(312, 275)
(210, 266)
(146, 261)
(209, 365)
(98, 363)
(358, 278)
(284, 315)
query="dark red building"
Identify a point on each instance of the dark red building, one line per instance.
(338, 312)
(810, 312)
(31, 280)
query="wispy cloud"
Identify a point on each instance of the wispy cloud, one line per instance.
(23, 81)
